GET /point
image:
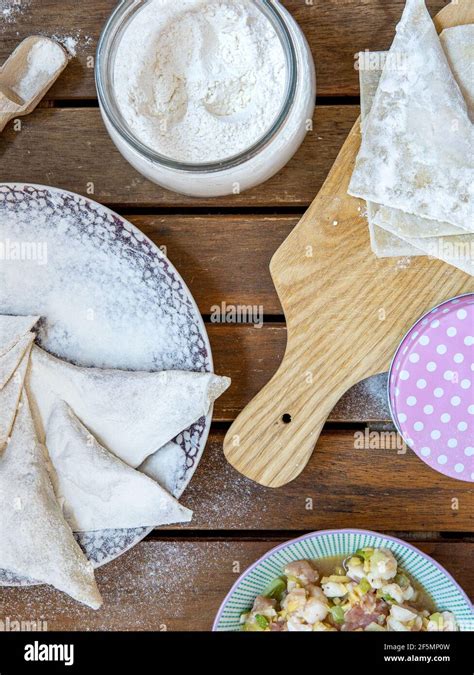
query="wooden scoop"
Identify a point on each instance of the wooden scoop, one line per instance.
(27, 75)
(346, 312)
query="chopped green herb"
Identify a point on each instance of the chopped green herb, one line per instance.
(337, 614)
(276, 589)
(387, 597)
(364, 553)
(364, 586)
(261, 621)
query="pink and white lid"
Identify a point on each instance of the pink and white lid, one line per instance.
(431, 388)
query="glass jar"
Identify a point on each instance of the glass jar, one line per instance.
(238, 173)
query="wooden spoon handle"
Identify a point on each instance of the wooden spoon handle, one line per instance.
(10, 104)
(9, 99)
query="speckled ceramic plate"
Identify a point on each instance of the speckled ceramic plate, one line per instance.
(434, 579)
(88, 273)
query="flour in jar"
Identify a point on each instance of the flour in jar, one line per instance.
(200, 81)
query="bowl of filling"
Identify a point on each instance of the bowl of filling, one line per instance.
(345, 580)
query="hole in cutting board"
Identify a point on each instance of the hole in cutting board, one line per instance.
(286, 418)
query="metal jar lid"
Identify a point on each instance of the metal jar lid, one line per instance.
(431, 388)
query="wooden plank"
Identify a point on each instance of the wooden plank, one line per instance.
(336, 30)
(175, 586)
(71, 149)
(250, 356)
(231, 263)
(346, 483)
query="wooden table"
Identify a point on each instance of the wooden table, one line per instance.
(176, 578)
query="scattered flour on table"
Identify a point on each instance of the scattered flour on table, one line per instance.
(150, 585)
(234, 499)
(403, 263)
(367, 400)
(226, 496)
(11, 11)
(200, 81)
(73, 43)
(375, 390)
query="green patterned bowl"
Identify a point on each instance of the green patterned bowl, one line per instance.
(436, 581)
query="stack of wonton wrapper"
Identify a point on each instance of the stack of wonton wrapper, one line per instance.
(84, 450)
(415, 167)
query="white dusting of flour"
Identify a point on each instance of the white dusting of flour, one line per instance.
(200, 81)
(106, 296)
(11, 11)
(74, 43)
(44, 60)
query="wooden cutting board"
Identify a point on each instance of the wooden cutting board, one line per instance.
(346, 312)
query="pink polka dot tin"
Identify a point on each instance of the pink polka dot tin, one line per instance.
(431, 388)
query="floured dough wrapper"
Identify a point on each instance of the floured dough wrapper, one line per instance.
(407, 225)
(35, 540)
(10, 398)
(132, 414)
(458, 45)
(394, 233)
(99, 491)
(416, 152)
(457, 250)
(13, 328)
(167, 466)
(384, 244)
(10, 361)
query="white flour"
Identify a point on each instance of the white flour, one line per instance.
(11, 11)
(200, 81)
(106, 299)
(44, 60)
(74, 43)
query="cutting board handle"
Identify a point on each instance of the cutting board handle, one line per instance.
(283, 419)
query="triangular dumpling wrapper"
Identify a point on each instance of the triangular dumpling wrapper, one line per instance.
(10, 398)
(416, 151)
(99, 491)
(132, 414)
(35, 541)
(10, 361)
(384, 244)
(408, 225)
(458, 45)
(456, 250)
(395, 233)
(390, 237)
(13, 328)
(167, 466)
